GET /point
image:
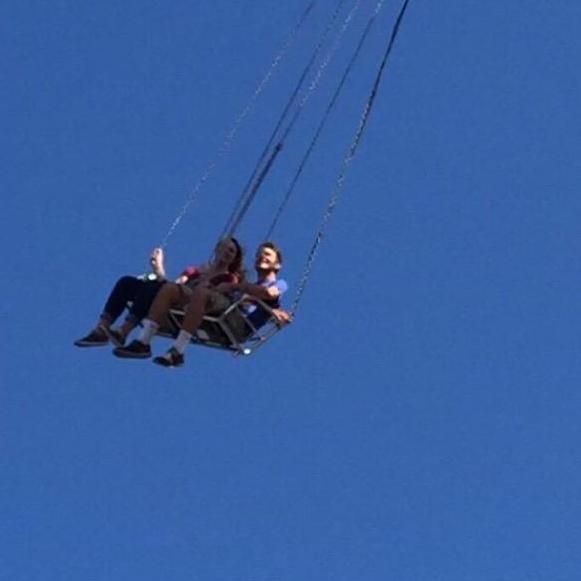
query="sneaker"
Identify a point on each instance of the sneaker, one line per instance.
(135, 350)
(115, 336)
(96, 338)
(173, 358)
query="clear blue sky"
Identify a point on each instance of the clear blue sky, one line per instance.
(421, 419)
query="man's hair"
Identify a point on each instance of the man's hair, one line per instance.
(273, 246)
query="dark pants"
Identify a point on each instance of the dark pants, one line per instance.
(141, 293)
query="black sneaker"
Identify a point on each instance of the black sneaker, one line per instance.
(96, 338)
(115, 336)
(173, 358)
(135, 350)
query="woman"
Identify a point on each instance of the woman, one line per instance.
(226, 266)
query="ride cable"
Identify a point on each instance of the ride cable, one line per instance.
(226, 146)
(350, 154)
(323, 122)
(250, 185)
(254, 183)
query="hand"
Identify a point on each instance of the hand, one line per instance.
(156, 258)
(282, 317)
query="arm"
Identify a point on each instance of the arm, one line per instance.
(258, 291)
(157, 263)
(254, 290)
(282, 317)
(190, 273)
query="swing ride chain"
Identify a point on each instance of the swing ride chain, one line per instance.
(231, 134)
(334, 198)
(323, 122)
(325, 63)
(236, 215)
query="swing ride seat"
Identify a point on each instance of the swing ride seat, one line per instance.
(230, 330)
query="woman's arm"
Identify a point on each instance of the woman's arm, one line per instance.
(190, 274)
(157, 263)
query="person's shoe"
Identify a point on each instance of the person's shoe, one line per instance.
(173, 358)
(115, 336)
(96, 338)
(135, 350)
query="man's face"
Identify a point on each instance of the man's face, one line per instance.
(266, 260)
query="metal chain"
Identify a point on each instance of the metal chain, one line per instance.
(325, 63)
(310, 90)
(322, 123)
(231, 134)
(250, 189)
(334, 198)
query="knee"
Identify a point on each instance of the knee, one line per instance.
(126, 281)
(170, 291)
(126, 285)
(198, 294)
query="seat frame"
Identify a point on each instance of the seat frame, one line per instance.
(216, 332)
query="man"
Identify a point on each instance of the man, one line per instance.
(268, 288)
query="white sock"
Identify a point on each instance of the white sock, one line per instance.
(149, 330)
(182, 341)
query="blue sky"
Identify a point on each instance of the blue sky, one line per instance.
(418, 422)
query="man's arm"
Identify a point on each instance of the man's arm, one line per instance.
(254, 290)
(259, 291)
(282, 317)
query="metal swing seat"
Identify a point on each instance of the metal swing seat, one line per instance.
(230, 330)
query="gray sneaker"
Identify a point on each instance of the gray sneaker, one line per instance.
(135, 350)
(96, 338)
(173, 358)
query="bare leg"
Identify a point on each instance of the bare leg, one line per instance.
(165, 299)
(193, 317)
(169, 296)
(195, 310)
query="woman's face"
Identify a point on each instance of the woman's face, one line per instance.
(226, 251)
